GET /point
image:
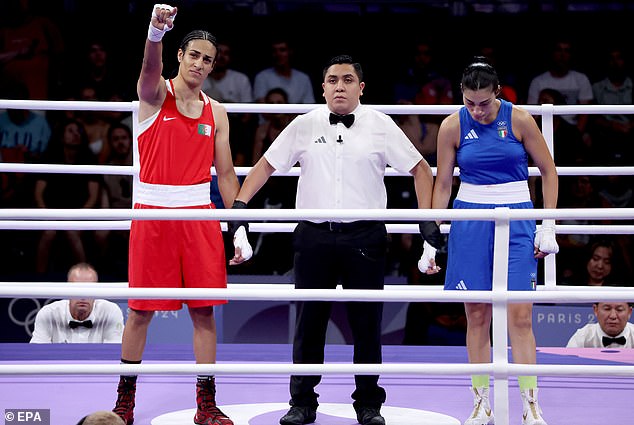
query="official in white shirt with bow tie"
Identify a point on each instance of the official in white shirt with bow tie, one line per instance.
(79, 320)
(612, 330)
(343, 149)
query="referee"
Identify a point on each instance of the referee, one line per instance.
(342, 148)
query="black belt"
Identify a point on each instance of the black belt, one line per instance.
(338, 227)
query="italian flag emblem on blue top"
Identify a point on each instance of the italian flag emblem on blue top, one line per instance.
(204, 129)
(502, 132)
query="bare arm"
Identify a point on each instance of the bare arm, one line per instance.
(423, 183)
(93, 194)
(225, 172)
(448, 139)
(40, 186)
(525, 127)
(151, 84)
(258, 141)
(256, 178)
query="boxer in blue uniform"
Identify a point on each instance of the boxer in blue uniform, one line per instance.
(491, 141)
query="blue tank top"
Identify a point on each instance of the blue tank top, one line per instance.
(490, 154)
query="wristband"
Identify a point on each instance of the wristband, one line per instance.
(233, 225)
(430, 232)
(154, 34)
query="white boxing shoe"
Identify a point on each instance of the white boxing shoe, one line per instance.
(531, 413)
(482, 413)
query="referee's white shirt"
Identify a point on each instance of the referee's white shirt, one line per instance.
(591, 335)
(52, 324)
(342, 168)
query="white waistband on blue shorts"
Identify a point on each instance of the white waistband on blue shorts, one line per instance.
(503, 193)
(169, 196)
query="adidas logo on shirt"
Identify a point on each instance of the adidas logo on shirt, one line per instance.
(471, 135)
(320, 140)
(461, 284)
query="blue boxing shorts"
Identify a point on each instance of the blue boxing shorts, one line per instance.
(470, 251)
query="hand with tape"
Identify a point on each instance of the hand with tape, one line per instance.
(545, 240)
(430, 232)
(238, 229)
(162, 20)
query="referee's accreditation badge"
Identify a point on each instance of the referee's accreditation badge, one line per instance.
(204, 129)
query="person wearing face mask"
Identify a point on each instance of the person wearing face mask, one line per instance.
(79, 320)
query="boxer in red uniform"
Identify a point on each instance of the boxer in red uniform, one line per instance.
(182, 133)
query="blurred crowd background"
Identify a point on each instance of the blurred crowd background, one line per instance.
(411, 52)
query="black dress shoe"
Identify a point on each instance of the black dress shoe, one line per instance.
(370, 416)
(299, 415)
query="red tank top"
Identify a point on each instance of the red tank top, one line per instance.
(175, 149)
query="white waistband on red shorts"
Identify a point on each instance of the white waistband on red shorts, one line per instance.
(170, 196)
(503, 193)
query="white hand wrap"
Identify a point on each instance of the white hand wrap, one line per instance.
(429, 253)
(241, 241)
(545, 238)
(155, 34)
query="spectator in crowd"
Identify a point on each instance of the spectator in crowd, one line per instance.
(612, 330)
(69, 145)
(282, 74)
(569, 147)
(31, 46)
(24, 136)
(420, 131)
(613, 134)
(617, 191)
(491, 141)
(273, 251)
(601, 265)
(96, 68)
(22, 131)
(342, 154)
(96, 124)
(573, 84)
(575, 192)
(116, 193)
(509, 89)
(79, 320)
(422, 83)
(273, 125)
(228, 85)
(183, 132)
(101, 417)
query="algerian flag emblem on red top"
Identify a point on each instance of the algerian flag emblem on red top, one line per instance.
(204, 129)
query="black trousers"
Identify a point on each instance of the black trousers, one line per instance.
(326, 254)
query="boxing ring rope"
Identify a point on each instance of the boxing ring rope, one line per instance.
(499, 297)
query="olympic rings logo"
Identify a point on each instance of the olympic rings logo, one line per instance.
(16, 313)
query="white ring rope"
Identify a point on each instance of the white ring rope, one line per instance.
(512, 369)
(575, 229)
(546, 109)
(395, 214)
(499, 296)
(285, 292)
(243, 171)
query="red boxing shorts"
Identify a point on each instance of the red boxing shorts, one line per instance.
(176, 254)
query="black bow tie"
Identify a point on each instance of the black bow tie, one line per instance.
(347, 120)
(75, 324)
(607, 340)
